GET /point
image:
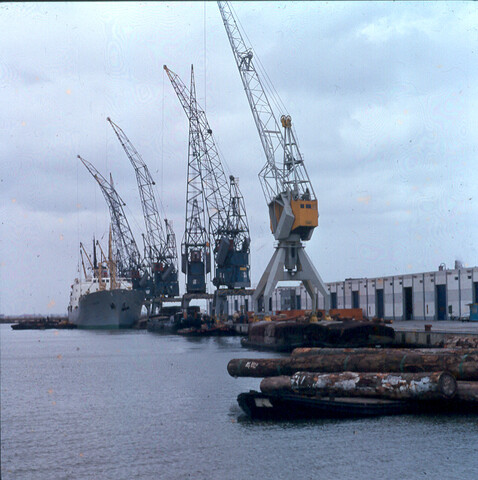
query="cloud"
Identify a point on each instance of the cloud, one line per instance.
(382, 95)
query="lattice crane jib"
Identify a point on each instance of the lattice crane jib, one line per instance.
(159, 252)
(232, 265)
(284, 179)
(126, 252)
(237, 218)
(213, 178)
(171, 251)
(293, 207)
(196, 263)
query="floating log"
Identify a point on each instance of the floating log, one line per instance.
(312, 352)
(393, 386)
(463, 364)
(467, 392)
(280, 384)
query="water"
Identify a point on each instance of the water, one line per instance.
(137, 405)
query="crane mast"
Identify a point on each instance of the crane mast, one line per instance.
(293, 206)
(195, 249)
(126, 252)
(228, 226)
(160, 250)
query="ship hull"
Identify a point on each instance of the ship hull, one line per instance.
(113, 309)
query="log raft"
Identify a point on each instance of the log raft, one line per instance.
(462, 364)
(393, 386)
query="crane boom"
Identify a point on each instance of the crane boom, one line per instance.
(160, 250)
(293, 208)
(195, 248)
(228, 224)
(126, 250)
(284, 168)
(155, 238)
(214, 180)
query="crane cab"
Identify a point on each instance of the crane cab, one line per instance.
(289, 216)
(306, 215)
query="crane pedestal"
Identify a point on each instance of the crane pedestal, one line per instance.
(290, 262)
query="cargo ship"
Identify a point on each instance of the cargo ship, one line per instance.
(100, 299)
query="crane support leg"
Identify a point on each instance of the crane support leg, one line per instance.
(272, 274)
(219, 306)
(185, 301)
(277, 270)
(311, 279)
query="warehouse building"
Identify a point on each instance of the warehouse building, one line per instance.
(444, 294)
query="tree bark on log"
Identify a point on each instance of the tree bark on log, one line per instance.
(467, 392)
(464, 366)
(316, 351)
(280, 384)
(394, 386)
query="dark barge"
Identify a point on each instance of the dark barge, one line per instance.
(284, 406)
(285, 336)
(262, 406)
(43, 323)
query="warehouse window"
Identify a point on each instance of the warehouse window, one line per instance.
(355, 299)
(333, 300)
(379, 304)
(408, 300)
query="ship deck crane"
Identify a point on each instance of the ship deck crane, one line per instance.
(293, 206)
(227, 219)
(126, 252)
(160, 248)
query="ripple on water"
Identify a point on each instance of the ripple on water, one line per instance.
(123, 405)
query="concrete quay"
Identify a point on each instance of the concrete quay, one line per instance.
(442, 326)
(416, 333)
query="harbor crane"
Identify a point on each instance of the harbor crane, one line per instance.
(227, 220)
(195, 247)
(160, 247)
(126, 251)
(293, 206)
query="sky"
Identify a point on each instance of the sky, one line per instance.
(383, 98)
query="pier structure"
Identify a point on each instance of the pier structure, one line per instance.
(443, 294)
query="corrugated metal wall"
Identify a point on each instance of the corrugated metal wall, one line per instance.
(459, 292)
(459, 288)
(459, 285)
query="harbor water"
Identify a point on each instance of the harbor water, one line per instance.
(137, 405)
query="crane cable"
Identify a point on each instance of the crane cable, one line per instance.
(205, 66)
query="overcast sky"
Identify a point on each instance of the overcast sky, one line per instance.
(383, 96)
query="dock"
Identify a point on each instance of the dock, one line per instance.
(416, 334)
(431, 334)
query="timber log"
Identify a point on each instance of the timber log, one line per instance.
(393, 386)
(463, 364)
(315, 351)
(467, 392)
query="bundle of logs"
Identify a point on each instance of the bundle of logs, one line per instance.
(415, 375)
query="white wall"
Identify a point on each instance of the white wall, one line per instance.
(459, 294)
